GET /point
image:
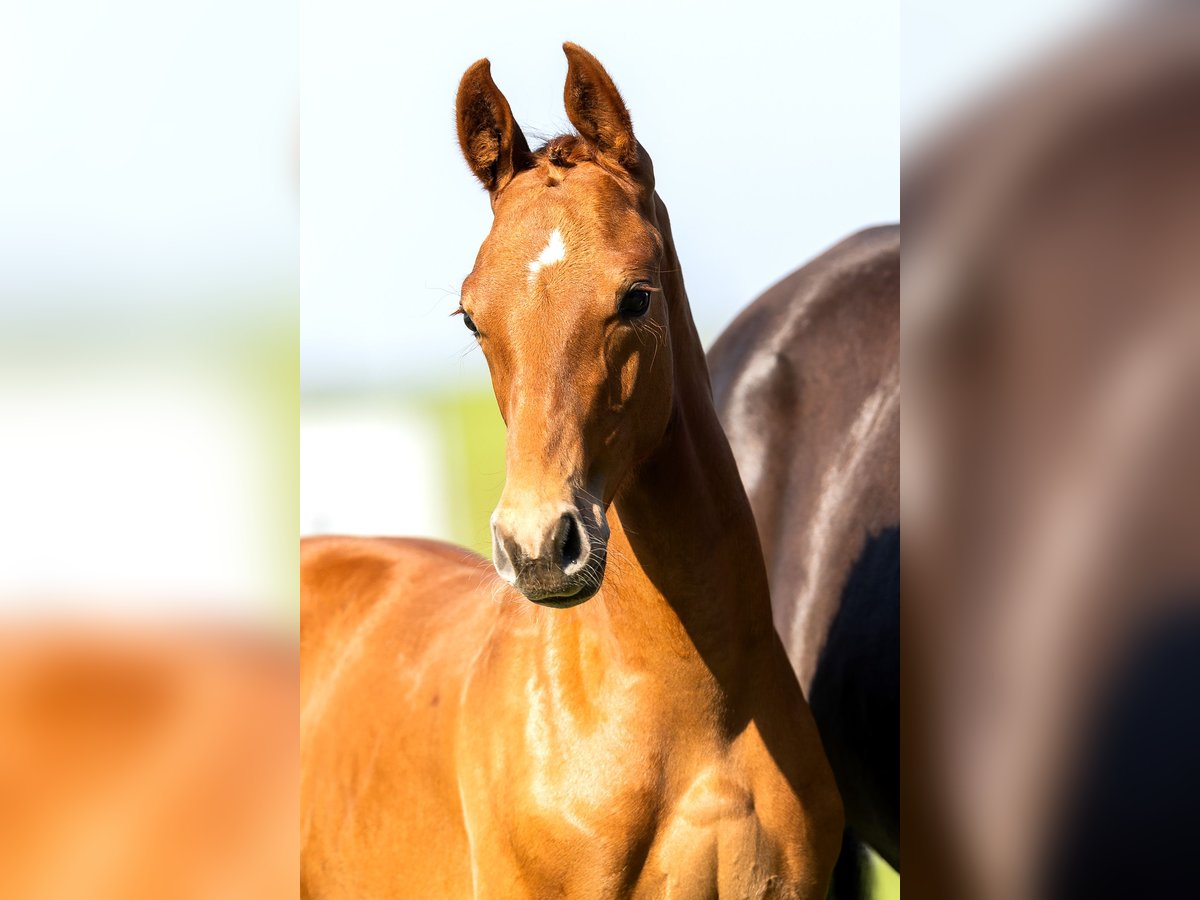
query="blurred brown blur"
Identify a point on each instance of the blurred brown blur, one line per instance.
(1051, 476)
(142, 765)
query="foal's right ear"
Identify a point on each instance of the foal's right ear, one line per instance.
(489, 136)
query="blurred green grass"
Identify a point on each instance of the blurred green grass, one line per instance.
(473, 449)
(885, 882)
(473, 446)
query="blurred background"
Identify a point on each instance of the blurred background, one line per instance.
(148, 309)
(149, 406)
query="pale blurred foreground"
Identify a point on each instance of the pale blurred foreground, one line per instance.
(1051, 478)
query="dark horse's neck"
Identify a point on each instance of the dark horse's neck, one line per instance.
(686, 581)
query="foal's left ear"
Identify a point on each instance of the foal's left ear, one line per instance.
(596, 109)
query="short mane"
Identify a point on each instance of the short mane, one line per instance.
(564, 151)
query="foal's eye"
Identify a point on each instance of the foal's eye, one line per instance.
(634, 304)
(469, 322)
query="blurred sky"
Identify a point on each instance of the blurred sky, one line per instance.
(148, 308)
(145, 154)
(773, 128)
(953, 51)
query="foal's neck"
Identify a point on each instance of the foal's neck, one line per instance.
(686, 584)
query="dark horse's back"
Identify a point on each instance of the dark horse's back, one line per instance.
(807, 383)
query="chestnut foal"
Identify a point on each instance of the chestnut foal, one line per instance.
(458, 740)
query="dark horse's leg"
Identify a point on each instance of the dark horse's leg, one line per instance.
(851, 879)
(1130, 830)
(855, 699)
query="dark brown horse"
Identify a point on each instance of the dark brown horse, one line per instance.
(807, 384)
(609, 712)
(1052, 491)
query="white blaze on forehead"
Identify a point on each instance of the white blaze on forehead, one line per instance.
(555, 251)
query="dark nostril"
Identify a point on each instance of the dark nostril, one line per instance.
(571, 542)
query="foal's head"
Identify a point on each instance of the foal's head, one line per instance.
(566, 301)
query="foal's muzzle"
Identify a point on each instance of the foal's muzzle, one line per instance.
(551, 556)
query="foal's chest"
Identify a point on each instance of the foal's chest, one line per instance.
(609, 814)
(584, 793)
